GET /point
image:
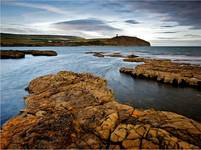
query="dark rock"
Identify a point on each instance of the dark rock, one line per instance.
(15, 54)
(10, 54)
(132, 56)
(134, 59)
(41, 53)
(97, 54)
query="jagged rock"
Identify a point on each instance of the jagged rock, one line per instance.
(166, 71)
(72, 111)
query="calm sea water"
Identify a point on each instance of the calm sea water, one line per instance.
(16, 74)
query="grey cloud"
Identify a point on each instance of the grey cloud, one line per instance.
(167, 38)
(168, 32)
(168, 26)
(185, 13)
(132, 21)
(85, 25)
(192, 35)
(19, 30)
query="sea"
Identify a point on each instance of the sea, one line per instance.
(17, 73)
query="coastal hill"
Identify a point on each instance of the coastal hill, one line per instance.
(61, 40)
(127, 40)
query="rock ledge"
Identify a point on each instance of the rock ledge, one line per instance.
(70, 110)
(16, 54)
(165, 71)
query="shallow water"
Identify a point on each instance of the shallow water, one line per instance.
(16, 74)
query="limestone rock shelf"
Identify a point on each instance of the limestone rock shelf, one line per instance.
(165, 71)
(70, 110)
(16, 54)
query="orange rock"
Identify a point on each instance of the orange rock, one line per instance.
(70, 110)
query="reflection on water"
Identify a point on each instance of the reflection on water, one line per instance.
(15, 75)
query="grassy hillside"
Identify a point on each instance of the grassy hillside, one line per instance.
(35, 40)
(60, 40)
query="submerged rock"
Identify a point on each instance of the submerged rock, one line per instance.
(70, 110)
(165, 71)
(131, 58)
(108, 54)
(15, 54)
(96, 54)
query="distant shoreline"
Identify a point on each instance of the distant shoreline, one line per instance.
(20, 40)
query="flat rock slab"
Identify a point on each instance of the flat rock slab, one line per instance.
(165, 71)
(15, 54)
(11, 54)
(70, 110)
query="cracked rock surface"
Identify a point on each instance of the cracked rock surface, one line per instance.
(165, 71)
(71, 110)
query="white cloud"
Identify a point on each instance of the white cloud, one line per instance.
(45, 7)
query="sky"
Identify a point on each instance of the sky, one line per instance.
(163, 23)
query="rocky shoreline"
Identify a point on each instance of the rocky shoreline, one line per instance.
(17, 54)
(70, 110)
(165, 71)
(161, 70)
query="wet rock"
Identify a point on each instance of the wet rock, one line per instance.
(134, 59)
(10, 54)
(108, 54)
(74, 111)
(132, 56)
(13, 54)
(167, 72)
(126, 70)
(115, 54)
(41, 53)
(98, 54)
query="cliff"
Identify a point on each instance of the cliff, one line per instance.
(128, 41)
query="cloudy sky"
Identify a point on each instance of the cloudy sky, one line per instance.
(160, 22)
